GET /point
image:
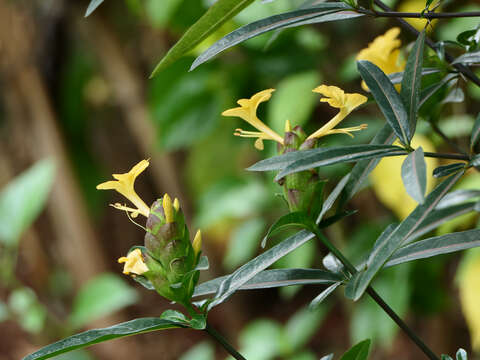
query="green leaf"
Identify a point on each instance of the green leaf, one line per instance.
(273, 278)
(22, 200)
(475, 133)
(431, 90)
(414, 175)
(437, 245)
(332, 197)
(298, 218)
(461, 354)
(385, 247)
(280, 162)
(341, 154)
(99, 297)
(327, 357)
(387, 99)
(458, 197)
(468, 58)
(216, 16)
(90, 337)
(320, 13)
(315, 303)
(94, 4)
(261, 339)
(363, 168)
(358, 352)
(396, 78)
(446, 170)
(446, 357)
(439, 217)
(411, 83)
(202, 351)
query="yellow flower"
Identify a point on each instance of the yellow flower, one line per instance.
(415, 6)
(248, 112)
(384, 52)
(124, 185)
(337, 98)
(197, 242)
(133, 263)
(168, 208)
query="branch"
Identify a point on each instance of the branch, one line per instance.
(415, 15)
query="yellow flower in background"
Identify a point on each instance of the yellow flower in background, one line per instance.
(414, 6)
(134, 263)
(384, 52)
(248, 112)
(337, 98)
(468, 277)
(387, 182)
(124, 184)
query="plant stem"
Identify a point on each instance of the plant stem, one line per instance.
(462, 68)
(426, 15)
(220, 339)
(374, 295)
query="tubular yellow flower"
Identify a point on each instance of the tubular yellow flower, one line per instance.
(124, 184)
(176, 204)
(337, 98)
(167, 208)
(248, 112)
(134, 263)
(384, 52)
(197, 242)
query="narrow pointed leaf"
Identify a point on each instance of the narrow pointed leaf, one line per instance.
(461, 354)
(458, 197)
(274, 278)
(358, 352)
(94, 4)
(90, 337)
(414, 175)
(280, 162)
(411, 83)
(475, 133)
(439, 217)
(320, 13)
(363, 168)
(468, 58)
(335, 155)
(446, 170)
(243, 274)
(387, 98)
(384, 249)
(437, 245)
(298, 218)
(220, 12)
(332, 197)
(431, 90)
(323, 295)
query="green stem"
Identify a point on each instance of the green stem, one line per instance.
(374, 295)
(222, 341)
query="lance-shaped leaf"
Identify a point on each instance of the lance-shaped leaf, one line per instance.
(475, 133)
(323, 295)
(429, 91)
(320, 13)
(458, 197)
(384, 249)
(297, 218)
(273, 278)
(363, 168)
(439, 217)
(411, 83)
(94, 4)
(335, 155)
(387, 98)
(468, 58)
(437, 245)
(244, 273)
(332, 197)
(358, 352)
(90, 337)
(449, 169)
(220, 12)
(414, 175)
(280, 162)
